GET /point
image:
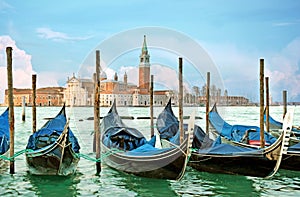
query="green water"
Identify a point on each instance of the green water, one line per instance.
(114, 183)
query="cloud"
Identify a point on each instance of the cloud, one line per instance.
(49, 34)
(132, 74)
(240, 70)
(284, 71)
(22, 68)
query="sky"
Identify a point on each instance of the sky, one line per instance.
(55, 39)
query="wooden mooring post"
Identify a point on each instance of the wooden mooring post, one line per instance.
(34, 103)
(151, 107)
(284, 95)
(11, 109)
(97, 113)
(261, 96)
(23, 109)
(207, 102)
(267, 105)
(180, 99)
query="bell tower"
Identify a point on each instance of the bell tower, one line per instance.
(144, 68)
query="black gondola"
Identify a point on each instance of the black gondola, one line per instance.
(127, 150)
(213, 156)
(248, 134)
(52, 149)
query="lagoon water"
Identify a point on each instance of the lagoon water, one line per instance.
(114, 183)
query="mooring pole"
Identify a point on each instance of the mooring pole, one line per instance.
(34, 103)
(180, 98)
(284, 94)
(267, 105)
(97, 113)
(11, 109)
(261, 96)
(151, 106)
(207, 102)
(23, 108)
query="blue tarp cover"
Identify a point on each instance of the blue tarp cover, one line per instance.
(279, 124)
(168, 127)
(51, 131)
(295, 147)
(227, 149)
(236, 132)
(167, 123)
(117, 135)
(4, 132)
(273, 121)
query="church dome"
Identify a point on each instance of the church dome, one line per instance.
(103, 75)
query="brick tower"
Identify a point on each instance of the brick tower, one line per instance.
(144, 68)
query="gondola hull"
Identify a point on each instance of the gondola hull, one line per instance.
(290, 158)
(4, 163)
(52, 161)
(291, 162)
(169, 164)
(252, 162)
(235, 165)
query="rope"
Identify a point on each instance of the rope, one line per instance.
(80, 155)
(103, 155)
(12, 158)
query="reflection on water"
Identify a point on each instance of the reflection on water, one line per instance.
(147, 186)
(53, 185)
(197, 183)
(112, 182)
(284, 183)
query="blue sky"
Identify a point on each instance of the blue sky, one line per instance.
(53, 38)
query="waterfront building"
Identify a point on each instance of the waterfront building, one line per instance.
(48, 96)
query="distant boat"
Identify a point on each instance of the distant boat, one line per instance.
(4, 137)
(216, 157)
(53, 148)
(126, 149)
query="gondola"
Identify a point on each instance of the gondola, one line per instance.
(246, 134)
(126, 149)
(52, 149)
(4, 137)
(215, 157)
(241, 135)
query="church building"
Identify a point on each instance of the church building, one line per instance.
(126, 94)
